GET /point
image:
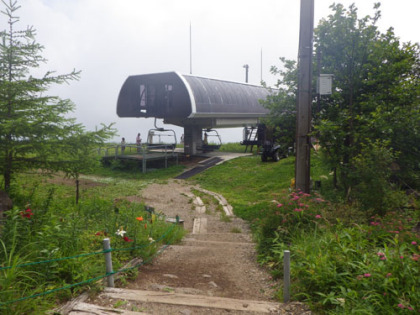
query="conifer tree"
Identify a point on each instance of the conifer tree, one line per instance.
(34, 128)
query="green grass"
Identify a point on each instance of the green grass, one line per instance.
(236, 230)
(344, 261)
(250, 184)
(106, 182)
(60, 228)
(128, 169)
(337, 249)
(233, 147)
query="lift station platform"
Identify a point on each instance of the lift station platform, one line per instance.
(192, 102)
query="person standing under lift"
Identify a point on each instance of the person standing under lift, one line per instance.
(122, 145)
(138, 142)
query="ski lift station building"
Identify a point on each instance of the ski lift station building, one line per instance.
(192, 102)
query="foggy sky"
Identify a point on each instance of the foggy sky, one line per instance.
(109, 40)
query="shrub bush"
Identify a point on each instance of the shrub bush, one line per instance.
(342, 269)
(371, 179)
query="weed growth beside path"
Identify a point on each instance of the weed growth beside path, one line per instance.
(46, 225)
(343, 261)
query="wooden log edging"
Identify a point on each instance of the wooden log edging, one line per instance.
(227, 208)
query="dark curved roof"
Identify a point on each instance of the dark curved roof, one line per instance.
(216, 98)
(173, 96)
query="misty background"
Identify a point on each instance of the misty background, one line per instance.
(110, 40)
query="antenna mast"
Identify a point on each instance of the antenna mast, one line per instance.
(190, 50)
(261, 66)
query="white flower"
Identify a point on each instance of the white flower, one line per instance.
(120, 232)
(341, 300)
(151, 240)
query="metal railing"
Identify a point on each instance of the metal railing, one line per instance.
(144, 152)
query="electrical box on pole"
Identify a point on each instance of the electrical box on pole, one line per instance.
(304, 97)
(324, 86)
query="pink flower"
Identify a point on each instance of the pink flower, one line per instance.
(400, 305)
(388, 274)
(381, 255)
(415, 257)
(279, 205)
(413, 243)
(295, 198)
(402, 257)
(298, 210)
(410, 308)
(367, 275)
(318, 216)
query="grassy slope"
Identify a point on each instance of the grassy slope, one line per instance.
(354, 267)
(249, 184)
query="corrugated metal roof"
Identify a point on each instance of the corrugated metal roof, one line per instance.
(190, 97)
(214, 98)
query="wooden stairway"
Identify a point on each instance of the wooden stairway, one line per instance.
(210, 272)
(208, 303)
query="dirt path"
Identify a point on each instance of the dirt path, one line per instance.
(216, 259)
(220, 262)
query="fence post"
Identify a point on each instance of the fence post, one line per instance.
(286, 280)
(108, 262)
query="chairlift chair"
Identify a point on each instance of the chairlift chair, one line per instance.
(161, 133)
(211, 145)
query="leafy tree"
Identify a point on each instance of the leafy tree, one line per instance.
(282, 103)
(375, 103)
(34, 129)
(376, 82)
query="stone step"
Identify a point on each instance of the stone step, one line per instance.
(172, 298)
(195, 242)
(225, 237)
(200, 226)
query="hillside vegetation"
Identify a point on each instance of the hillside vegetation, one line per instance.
(51, 247)
(345, 260)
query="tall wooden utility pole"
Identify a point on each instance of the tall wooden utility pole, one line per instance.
(304, 97)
